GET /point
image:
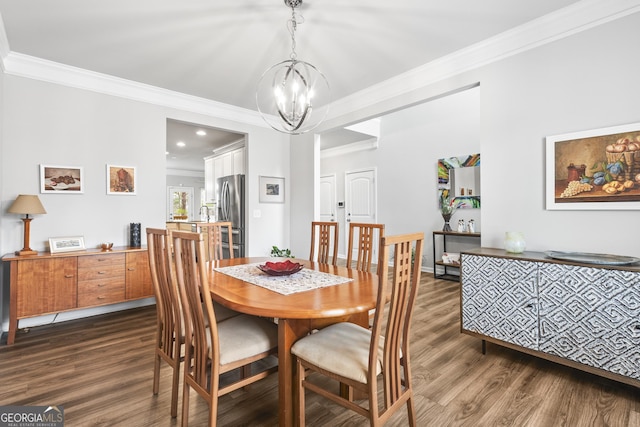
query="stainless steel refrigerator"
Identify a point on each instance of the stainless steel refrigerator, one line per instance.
(230, 203)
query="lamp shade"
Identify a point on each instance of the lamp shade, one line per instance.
(28, 204)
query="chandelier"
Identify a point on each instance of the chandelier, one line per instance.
(293, 96)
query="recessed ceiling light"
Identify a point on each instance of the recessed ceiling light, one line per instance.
(180, 144)
(201, 133)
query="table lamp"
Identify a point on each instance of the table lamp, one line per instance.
(27, 204)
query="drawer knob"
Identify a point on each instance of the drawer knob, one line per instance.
(101, 297)
(102, 272)
(68, 276)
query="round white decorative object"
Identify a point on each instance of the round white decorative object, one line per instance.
(514, 242)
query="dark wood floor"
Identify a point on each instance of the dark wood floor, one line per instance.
(100, 370)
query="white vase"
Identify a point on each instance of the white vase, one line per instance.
(514, 242)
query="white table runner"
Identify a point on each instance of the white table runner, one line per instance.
(303, 280)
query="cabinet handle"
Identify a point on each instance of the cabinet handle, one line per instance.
(101, 285)
(101, 297)
(102, 272)
(131, 269)
(68, 276)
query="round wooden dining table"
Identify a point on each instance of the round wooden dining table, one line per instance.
(297, 314)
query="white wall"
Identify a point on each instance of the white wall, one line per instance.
(585, 81)
(46, 123)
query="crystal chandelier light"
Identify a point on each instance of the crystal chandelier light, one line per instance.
(293, 96)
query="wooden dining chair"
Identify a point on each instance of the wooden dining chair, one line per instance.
(213, 241)
(355, 356)
(221, 347)
(213, 232)
(169, 331)
(366, 239)
(324, 236)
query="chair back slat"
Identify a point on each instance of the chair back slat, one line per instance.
(401, 286)
(324, 236)
(366, 239)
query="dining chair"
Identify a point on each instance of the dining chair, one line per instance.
(214, 240)
(355, 356)
(369, 238)
(169, 330)
(324, 236)
(214, 252)
(221, 347)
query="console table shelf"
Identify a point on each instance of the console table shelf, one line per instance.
(48, 283)
(437, 255)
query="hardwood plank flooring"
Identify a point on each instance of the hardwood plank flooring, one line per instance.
(101, 369)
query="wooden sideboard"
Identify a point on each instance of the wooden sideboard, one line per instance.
(52, 283)
(586, 316)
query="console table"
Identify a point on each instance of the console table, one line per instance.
(437, 255)
(586, 316)
(51, 283)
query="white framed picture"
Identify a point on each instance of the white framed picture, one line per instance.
(66, 244)
(271, 189)
(61, 179)
(121, 180)
(597, 169)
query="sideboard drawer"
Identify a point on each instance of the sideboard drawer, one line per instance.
(102, 271)
(100, 291)
(98, 261)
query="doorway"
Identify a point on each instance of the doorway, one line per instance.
(360, 200)
(328, 198)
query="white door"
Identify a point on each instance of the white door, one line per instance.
(180, 204)
(360, 199)
(328, 198)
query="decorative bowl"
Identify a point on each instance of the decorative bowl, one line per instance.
(283, 268)
(107, 246)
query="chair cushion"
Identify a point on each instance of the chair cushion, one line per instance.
(223, 313)
(245, 336)
(342, 348)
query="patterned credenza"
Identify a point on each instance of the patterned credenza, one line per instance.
(583, 315)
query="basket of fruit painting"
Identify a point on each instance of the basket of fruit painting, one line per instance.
(624, 153)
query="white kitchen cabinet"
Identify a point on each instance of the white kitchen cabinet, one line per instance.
(229, 163)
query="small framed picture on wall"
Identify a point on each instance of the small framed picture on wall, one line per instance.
(121, 180)
(61, 179)
(271, 189)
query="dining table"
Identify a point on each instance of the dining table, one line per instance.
(315, 297)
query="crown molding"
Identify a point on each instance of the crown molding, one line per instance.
(368, 144)
(563, 23)
(21, 65)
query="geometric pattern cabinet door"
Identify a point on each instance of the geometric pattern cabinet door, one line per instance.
(500, 298)
(591, 316)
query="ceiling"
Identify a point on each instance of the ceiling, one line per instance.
(218, 49)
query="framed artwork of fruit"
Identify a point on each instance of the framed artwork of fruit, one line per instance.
(61, 179)
(597, 169)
